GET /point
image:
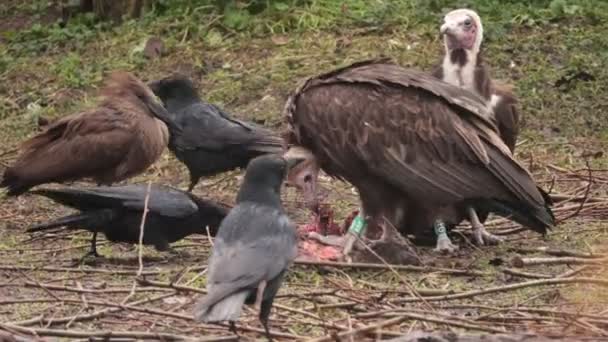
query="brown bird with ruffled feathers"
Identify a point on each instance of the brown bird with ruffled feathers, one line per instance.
(116, 140)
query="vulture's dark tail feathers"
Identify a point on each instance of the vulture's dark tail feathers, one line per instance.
(538, 219)
(80, 220)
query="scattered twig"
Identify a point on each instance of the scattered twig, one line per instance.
(520, 262)
(361, 265)
(521, 274)
(558, 252)
(108, 335)
(510, 287)
(71, 269)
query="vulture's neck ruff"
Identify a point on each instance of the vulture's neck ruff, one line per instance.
(462, 36)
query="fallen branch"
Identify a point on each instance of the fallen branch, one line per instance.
(517, 273)
(89, 316)
(361, 265)
(71, 269)
(511, 287)
(146, 282)
(445, 336)
(558, 252)
(520, 262)
(364, 329)
(108, 335)
(75, 289)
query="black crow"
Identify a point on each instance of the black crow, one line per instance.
(117, 212)
(255, 245)
(208, 141)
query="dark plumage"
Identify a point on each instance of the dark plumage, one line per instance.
(255, 245)
(417, 149)
(117, 212)
(210, 141)
(114, 141)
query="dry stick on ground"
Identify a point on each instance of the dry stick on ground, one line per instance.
(520, 262)
(585, 196)
(77, 290)
(362, 265)
(364, 329)
(558, 252)
(469, 294)
(146, 282)
(575, 271)
(107, 335)
(140, 245)
(517, 273)
(72, 269)
(92, 315)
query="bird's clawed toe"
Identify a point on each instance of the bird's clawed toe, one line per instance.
(445, 246)
(483, 237)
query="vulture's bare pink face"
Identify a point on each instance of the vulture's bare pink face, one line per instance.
(304, 176)
(460, 29)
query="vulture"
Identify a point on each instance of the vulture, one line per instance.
(418, 150)
(463, 66)
(253, 249)
(118, 139)
(207, 140)
(117, 212)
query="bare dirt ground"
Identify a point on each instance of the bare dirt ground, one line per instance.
(553, 285)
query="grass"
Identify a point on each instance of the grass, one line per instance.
(248, 58)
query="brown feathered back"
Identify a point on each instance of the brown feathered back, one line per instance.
(112, 142)
(408, 141)
(496, 94)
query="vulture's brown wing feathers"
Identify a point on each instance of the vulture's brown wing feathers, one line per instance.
(430, 139)
(507, 115)
(63, 151)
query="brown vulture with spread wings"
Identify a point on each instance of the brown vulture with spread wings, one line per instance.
(463, 66)
(418, 150)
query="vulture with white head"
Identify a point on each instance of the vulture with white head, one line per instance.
(463, 66)
(418, 150)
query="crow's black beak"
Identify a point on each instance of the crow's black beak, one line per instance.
(163, 115)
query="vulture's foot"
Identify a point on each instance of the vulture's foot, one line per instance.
(483, 237)
(392, 251)
(444, 244)
(329, 240)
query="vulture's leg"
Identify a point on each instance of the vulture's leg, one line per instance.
(482, 236)
(355, 231)
(444, 244)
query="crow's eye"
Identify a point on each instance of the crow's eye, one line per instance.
(467, 22)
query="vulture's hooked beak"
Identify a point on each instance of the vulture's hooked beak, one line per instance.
(303, 174)
(293, 162)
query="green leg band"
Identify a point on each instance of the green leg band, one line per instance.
(440, 230)
(358, 225)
